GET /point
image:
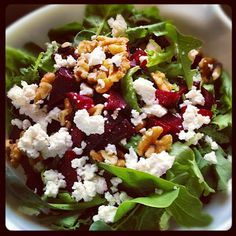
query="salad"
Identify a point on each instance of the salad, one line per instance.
(120, 123)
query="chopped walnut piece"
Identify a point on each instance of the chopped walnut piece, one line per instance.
(96, 156)
(96, 110)
(149, 142)
(161, 81)
(13, 153)
(45, 86)
(64, 113)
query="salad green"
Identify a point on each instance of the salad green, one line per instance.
(82, 179)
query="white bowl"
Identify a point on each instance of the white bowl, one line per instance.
(208, 22)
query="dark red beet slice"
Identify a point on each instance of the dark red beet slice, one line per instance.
(80, 101)
(64, 167)
(115, 101)
(167, 99)
(77, 136)
(209, 98)
(205, 112)
(136, 56)
(64, 83)
(170, 123)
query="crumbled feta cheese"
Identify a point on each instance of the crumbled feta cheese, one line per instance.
(145, 89)
(66, 44)
(79, 162)
(93, 37)
(59, 143)
(192, 54)
(60, 62)
(154, 109)
(116, 59)
(96, 57)
(79, 151)
(105, 213)
(89, 124)
(105, 95)
(195, 96)
(17, 123)
(142, 131)
(190, 136)
(88, 171)
(211, 157)
(36, 140)
(117, 198)
(111, 159)
(115, 113)
(137, 118)
(101, 83)
(33, 141)
(101, 184)
(105, 112)
(197, 77)
(123, 141)
(85, 90)
(214, 145)
(53, 180)
(110, 198)
(156, 164)
(26, 124)
(185, 103)
(118, 26)
(194, 120)
(85, 191)
(111, 149)
(115, 181)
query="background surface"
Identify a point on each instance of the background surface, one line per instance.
(14, 12)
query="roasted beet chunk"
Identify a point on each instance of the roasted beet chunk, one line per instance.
(77, 136)
(115, 130)
(80, 101)
(167, 99)
(205, 112)
(64, 167)
(136, 60)
(170, 123)
(209, 98)
(115, 101)
(64, 83)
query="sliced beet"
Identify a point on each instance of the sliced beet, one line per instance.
(135, 58)
(167, 99)
(64, 167)
(53, 127)
(77, 136)
(209, 98)
(205, 112)
(80, 101)
(170, 123)
(115, 101)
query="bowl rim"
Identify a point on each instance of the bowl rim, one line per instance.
(225, 19)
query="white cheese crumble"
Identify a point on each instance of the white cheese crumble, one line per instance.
(116, 59)
(195, 96)
(123, 141)
(85, 191)
(154, 109)
(25, 124)
(101, 83)
(79, 151)
(211, 157)
(143, 130)
(60, 62)
(137, 118)
(157, 164)
(118, 26)
(115, 113)
(115, 181)
(105, 95)
(85, 90)
(111, 149)
(117, 198)
(89, 124)
(209, 140)
(143, 58)
(190, 136)
(96, 57)
(105, 213)
(193, 120)
(53, 180)
(145, 89)
(36, 140)
(102, 67)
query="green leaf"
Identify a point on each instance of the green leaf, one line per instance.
(65, 33)
(133, 142)
(128, 90)
(164, 221)
(96, 201)
(155, 200)
(223, 121)
(100, 226)
(185, 44)
(187, 210)
(83, 35)
(223, 170)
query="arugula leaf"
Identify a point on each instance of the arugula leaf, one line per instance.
(155, 200)
(83, 35)
(100, 226)
(223, 121)
(164, 221)
(185, 44)
(128, 90)
(133, 142)
(185, 162)
(65, 33)
(187, 210)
